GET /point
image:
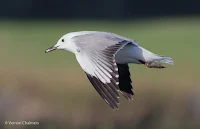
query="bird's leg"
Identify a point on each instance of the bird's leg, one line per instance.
(153, 65)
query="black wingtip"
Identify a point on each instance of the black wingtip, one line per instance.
(125, 83)
(109, 96)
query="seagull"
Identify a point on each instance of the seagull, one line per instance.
(104, 57)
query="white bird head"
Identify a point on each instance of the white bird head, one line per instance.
(61, 44)
(64, 43)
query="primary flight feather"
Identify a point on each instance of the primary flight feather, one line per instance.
(104, 57)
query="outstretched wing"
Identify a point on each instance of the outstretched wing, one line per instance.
(96, 56)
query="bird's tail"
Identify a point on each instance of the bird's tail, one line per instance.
(164, 59)
(155, 63)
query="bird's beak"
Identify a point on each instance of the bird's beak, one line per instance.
(51, 49)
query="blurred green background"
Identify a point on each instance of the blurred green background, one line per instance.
(53, 90)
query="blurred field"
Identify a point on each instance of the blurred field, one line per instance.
(53, 89)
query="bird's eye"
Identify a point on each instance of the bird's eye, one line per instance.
(63, 40)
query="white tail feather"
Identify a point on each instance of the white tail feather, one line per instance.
(164, 59)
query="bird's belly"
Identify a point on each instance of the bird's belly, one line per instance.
(132, 54)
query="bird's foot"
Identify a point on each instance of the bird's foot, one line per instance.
(154, 65)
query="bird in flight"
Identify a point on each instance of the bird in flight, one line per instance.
(104, 57)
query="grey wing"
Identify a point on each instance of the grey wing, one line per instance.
(100, 40)
(98, 62)
(134, 42)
